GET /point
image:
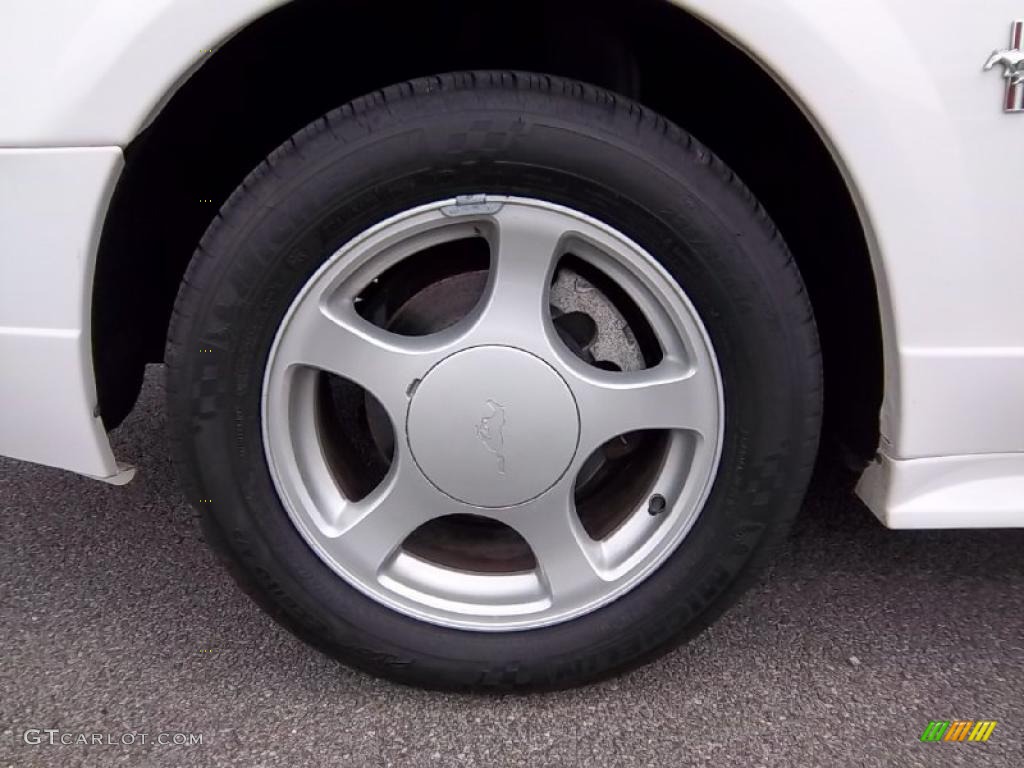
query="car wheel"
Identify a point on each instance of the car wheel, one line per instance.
(493, 380)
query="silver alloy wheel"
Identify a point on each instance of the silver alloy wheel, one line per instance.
(493, 416)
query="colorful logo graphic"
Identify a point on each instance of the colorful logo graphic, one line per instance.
(958, 730)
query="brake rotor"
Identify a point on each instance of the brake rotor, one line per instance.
(613, 340)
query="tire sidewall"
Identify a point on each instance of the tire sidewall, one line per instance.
(634, 173)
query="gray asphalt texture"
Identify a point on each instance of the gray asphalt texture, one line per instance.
(116, 619)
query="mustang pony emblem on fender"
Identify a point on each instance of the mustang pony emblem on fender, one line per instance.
(489, 430)
(1012, 60)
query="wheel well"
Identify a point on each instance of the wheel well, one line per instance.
(307, 57)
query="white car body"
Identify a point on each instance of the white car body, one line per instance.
(896, 89)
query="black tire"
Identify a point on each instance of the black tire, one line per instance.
(506, 133)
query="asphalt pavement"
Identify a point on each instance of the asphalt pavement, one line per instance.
(116, 622)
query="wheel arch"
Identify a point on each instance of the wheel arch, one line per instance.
(193, 143)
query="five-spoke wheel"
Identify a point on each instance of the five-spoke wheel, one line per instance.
(493, 416)
(493, 380)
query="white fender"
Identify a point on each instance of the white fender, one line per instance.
(896, 89)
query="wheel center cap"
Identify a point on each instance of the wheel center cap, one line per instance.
(493, 426)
